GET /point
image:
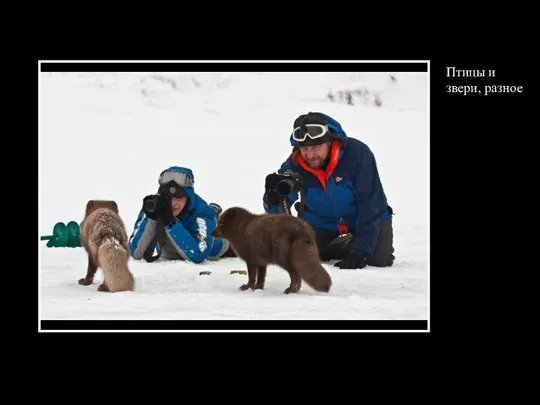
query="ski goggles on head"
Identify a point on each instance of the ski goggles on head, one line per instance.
(314, 131)
(182, 179)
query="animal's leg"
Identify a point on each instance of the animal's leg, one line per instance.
(261, 277)
(296, 283)
(90, 273)
(252, 277)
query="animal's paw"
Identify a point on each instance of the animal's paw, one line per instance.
(247, 286)
(85, 281)
(291, 289)
(103, 287)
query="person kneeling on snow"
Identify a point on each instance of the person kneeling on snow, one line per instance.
(176, 223)
(343, 198)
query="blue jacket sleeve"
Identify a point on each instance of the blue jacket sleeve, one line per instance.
(195, 246)
(270, 208)
(370, 197)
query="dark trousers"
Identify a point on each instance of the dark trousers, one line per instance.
(332, 246)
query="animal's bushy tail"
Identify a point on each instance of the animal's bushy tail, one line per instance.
(304, 257)
(113, 260)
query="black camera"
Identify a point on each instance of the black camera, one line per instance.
(152, 203)
(288, 184)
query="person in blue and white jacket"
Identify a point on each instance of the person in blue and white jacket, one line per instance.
(176, 223)
(343, 197)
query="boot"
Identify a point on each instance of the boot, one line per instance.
(216, 208)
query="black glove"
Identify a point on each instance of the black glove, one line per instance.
(270, 187)
(166, 213)
(163, 208)
(352, 261)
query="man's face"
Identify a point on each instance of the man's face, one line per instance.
(315, 155)
(178, 204)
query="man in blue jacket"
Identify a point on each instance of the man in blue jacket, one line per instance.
(176, 223)
(341, 194)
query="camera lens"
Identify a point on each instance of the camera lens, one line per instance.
(151, 205)
(284, 187)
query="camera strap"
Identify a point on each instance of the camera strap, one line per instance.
(301, 205)
(284, 202)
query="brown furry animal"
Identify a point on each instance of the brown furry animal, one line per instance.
(265, 239)
(104, 238)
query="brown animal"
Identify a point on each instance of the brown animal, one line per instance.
(104, 238)
(265, 239)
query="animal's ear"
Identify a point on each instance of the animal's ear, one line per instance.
(89, 206)
(114, 206)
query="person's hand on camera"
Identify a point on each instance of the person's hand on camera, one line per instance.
(270, 186)
(166, 210)
(272, 180)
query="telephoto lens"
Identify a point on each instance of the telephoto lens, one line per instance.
(284, 187)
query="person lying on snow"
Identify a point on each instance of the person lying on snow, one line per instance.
(176, 223)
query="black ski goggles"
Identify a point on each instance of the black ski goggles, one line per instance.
(314, 131)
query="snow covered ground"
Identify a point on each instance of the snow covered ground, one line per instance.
(109, 136)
